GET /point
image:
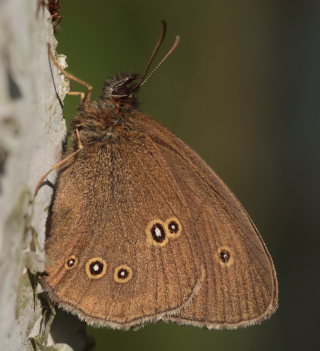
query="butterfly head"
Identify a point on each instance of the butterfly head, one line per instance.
(108, 119)
(121, 88)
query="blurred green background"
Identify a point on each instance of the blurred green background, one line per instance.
(242, 89)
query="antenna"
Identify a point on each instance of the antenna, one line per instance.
(145, 77)
(174, 46)
(163, 33)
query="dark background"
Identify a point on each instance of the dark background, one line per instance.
(242, 89)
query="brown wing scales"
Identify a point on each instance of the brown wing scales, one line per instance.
(144, 230)
(163, 277)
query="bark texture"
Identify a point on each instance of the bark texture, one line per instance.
(32, 130)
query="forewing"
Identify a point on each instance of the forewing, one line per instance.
(240, 285)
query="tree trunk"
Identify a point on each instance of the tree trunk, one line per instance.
(32, 130)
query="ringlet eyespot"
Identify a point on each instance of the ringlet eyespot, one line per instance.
(142, 229)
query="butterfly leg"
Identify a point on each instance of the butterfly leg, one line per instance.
(79, 93)
(84, 97)
(59, 164)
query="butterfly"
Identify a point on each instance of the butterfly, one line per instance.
(142, 229)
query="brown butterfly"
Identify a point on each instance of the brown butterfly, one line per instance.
(142, 229)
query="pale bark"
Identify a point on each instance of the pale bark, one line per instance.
(32, 130)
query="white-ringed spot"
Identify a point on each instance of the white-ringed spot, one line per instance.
(225, 256)
(174, 227)
(123, 274)
(96, 268)
(71, 262)
(156, 233)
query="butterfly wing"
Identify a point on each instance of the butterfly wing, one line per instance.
(111, 258)
(143, 230)
(240, 285)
